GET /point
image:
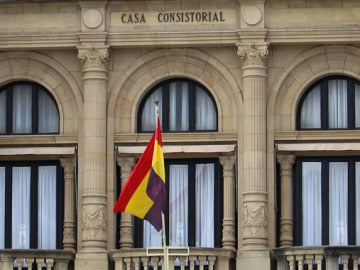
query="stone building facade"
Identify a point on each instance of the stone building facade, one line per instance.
(259, 109)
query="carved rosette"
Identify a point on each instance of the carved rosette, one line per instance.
(94, 222)
(253, 54)
(93, 58)
(255, 221)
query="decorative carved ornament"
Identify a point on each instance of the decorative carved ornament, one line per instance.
(94, 222)
(255, 222)
(253, 54)
(93, 58)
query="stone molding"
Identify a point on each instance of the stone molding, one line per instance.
(255, 221)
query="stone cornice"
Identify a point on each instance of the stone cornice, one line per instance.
(188, 39)
(317, 136)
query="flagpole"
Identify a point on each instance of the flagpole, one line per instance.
(165, 248)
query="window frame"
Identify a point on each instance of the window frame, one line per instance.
(297, 197)
(36, 89)
(324, 103)
(218, 202)
(34, 165)
(165, 122)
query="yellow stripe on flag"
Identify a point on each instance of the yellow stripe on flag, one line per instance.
(140, 203)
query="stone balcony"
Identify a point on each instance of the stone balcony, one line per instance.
(179, 258)
(35, 259)
(320, 258)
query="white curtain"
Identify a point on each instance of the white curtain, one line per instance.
(22, 109)
(2, 207)
(21, 207)
(179, 106)
(48, 114)
(205, 111)
(338, 104)
(47, 207)
(338, 203)
(148, 115)
(357, 105)
(311, 203)
(178, 205)
(3, 112)
(357, 208)
(204, 189)
(311, 110)
(151, 237)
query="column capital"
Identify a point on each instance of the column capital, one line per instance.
(227, 161)
(253, 53)
(67, 164)
(93, 57)
(286, 161)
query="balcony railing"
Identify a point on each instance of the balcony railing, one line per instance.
(35, 259)
(179, 258)
(320, 258)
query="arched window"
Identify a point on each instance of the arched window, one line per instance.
(184, 105)
(27, 108)
(331, 103)
(326, 188)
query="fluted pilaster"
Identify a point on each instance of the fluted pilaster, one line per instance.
(69, 207)
(255, 226)
(94, 233)
(286, 233)
(126, 164)
(229, 240)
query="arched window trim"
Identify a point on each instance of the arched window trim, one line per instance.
(324, 103)
(35, 112)
(166, 110)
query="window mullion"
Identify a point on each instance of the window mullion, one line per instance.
(192, 107)
(34, 207)
(325, 202)
(351, 104)
(8, 206)
(192, 203)
(35, 110)
(9, 110)
(351, 203)
(324, 103)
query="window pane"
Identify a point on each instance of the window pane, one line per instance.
(204, 209)
(205, 111)
(3, 112)
(310, 110)
(2, 207)
(338, 104)
(357, 105)
(178, 205)
(311, 203)
(47, 207)
(338, 203)
(148, 118)
(179, 106)
(21, 207)
(48, 114)
(357, 209)
(22, 109)
(152, 238)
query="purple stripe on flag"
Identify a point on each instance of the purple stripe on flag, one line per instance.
(157, 192)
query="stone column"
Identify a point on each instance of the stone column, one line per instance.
(93, 209)
(255, 219)
(69, 201)
(229, 240)
(286, 235)
(126, 164)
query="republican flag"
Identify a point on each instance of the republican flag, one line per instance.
(144, 193)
